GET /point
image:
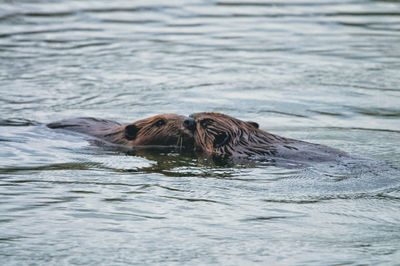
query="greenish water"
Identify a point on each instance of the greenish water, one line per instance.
(320, 71)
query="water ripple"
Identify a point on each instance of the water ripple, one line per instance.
(325, 72)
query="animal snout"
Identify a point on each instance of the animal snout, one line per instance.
(190, 124)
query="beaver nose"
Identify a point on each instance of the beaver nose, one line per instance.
(190, 124)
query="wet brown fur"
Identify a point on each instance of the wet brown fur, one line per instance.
(158, 130)
(222, 135)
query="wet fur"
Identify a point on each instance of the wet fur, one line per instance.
(142, 133)
(221, 135)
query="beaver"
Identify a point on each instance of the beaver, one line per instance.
(217, 134)
(156, 131)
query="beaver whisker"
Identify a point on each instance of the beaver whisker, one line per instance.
(182, 143)
(179, 143)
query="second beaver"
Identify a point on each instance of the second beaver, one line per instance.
(218, 134)
(165, 130)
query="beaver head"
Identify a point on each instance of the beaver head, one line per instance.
(220, 134)
(158, 130)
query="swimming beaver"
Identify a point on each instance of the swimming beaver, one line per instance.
(158, 130)
(218, 134)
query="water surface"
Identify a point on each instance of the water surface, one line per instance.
(321, 71)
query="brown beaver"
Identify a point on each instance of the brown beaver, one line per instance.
(158, 130)
(218, 134)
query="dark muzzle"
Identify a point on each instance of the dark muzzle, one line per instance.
(190, 124)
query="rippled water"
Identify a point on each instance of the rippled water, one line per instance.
(321, 71)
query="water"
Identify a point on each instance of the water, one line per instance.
(321, 71)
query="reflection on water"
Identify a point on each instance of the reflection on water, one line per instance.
(325, 72)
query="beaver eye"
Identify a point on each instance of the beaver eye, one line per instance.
(160, 123)
(205, 123)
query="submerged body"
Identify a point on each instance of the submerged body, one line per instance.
(156, 131)
(217, 134)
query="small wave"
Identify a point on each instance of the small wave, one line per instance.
(46, 31)
(18, 122)
(361, 128)
(196, 200)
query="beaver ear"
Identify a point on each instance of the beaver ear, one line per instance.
(131, 132)
(254, 124)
